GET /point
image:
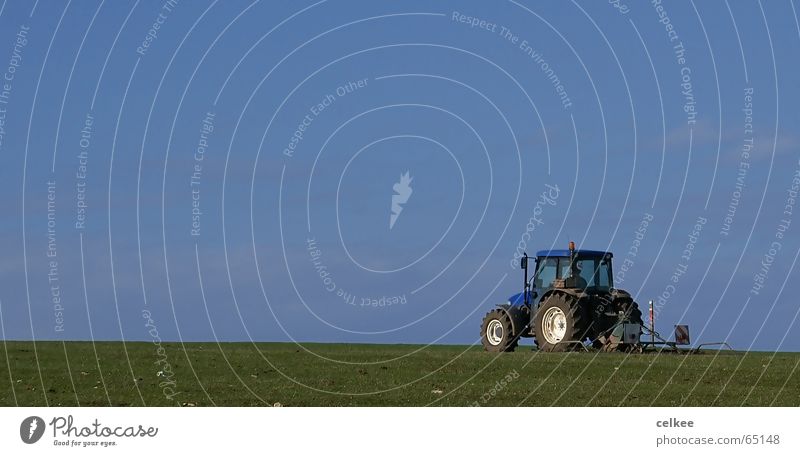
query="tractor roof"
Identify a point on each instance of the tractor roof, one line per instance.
(565, 253)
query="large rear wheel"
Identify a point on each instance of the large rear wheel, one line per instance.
(560, 323)
(497, 332)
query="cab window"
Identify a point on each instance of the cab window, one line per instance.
(546, 273)
(587, 270)
(594, 272)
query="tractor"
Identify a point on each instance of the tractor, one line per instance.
(569, 303)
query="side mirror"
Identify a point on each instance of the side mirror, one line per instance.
(523, 262)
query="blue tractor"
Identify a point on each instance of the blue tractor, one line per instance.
(570, 302)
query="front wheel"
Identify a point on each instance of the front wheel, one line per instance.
(497, 332)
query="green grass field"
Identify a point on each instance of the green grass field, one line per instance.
(233, 374)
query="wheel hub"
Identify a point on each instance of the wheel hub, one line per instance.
(494, 332)
(554, 325)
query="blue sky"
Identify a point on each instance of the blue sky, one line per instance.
(621, 113)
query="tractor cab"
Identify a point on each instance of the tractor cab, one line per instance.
(589, 270)
(586, 270)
